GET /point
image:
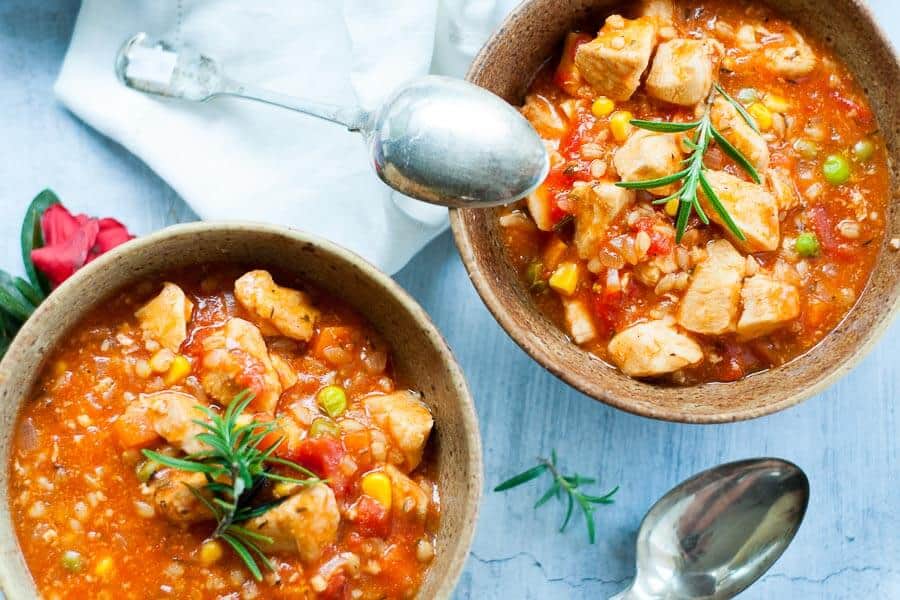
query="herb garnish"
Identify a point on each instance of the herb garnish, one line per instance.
(694, 172)
(235, 467)
(19, 297)
(568, 484)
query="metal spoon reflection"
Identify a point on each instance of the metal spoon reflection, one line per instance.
(716, 533)
(441, 140)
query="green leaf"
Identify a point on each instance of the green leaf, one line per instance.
(569, 507)
(525, 477)
(31, 237)
(664, 126)
(735, 155)
(34, 296)
(12, 300)
(717, 205)
(242, 552)
(684, 211)
(547, 496)
(739, 107)
(647, 184)
(246, 533)
(607, 498)
(589, 518)
(179, 463)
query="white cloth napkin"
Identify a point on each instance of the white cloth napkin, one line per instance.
(233, 159)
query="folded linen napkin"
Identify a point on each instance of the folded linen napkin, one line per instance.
(233, 159)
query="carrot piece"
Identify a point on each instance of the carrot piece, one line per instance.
(329, 337)
(134, 430)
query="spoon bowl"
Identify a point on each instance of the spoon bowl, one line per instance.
(441, 140)
(716, 533)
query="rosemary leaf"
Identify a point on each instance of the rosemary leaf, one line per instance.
(525, 477)
(664, 126)
(735, 155)
(739, 107)
(552, 492)
(717, 205)
(647, 184)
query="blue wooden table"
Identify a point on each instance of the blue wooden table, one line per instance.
(846, 438)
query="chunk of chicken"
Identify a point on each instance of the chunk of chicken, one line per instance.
(729, 122)
(596, 206)
(791, 61)
(768, 305)
(171, 415)
(649, 155)
(407, 498)
(615, 60)
(683, 69)
(235, 358)
(579, 321)
(653, 348)
(544, 117)
(174, 499)
(286, 373)
(661, 11)
(783, 189)
(164, 319)
(751, 206)
(305, 523)
(406, 420)
(710, 304)
(276, 310)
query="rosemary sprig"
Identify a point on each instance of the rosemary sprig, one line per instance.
(694, 172)
(235, 467)
(563, 484)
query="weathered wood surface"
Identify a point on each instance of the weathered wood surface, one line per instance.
(846, 439)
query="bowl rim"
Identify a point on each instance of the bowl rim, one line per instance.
(529, 341)
(469, 421)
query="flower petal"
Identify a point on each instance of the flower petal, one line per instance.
(112, 233)
(59, 261)
(57, 224)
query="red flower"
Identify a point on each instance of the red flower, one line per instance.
(70, 242)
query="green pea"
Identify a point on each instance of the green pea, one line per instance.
(333, 399)
(806, 148)
(748, 95)
(323, 427)
(807, 245)
(836, 169)
(71, 561)
(863, 149)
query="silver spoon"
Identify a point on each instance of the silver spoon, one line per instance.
(716, 533)
(441, 140)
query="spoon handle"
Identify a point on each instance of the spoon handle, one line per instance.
(353, 118)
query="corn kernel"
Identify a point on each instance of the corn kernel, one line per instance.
(210, 552)
(619, 124)
(179, 369)
(283, 489)
(602, 106)
(729, 64)
(672, 207)
(565, 278)
(378, 486)
(761, 114)
(104, 566)
(776, 103)
(60, 367)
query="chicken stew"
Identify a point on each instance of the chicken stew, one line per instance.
(115, 488)
(717, 194)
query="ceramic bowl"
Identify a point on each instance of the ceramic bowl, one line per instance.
(420, 354)
(532, 34)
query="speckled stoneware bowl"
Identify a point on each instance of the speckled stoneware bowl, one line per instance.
(420, 355)
(532, 34)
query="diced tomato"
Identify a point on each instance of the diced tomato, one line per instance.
(737, 361)
(863, 113)
(134, 430)
(372, 518)
(824, 227)
(660, 243)
(336, 587)
(566, 75)
(322, 456)
(572, 141)
(608, 308)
